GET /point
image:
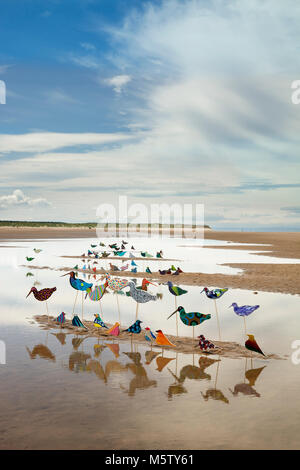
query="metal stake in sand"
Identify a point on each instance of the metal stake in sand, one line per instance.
(217, 315)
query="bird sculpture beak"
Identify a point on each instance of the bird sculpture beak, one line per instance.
(65, 274)
(28, 293)
(202, 291)
(172, 314)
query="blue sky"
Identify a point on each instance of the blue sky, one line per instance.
(163, 101)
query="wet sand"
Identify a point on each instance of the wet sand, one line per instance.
(182, 344)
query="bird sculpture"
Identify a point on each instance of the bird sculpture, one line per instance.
(105, 254)
(214, 293)
(173, 268)
(134, 270)
(191, 318)
(113, 267)
(148, 270)
(252, 345)
(244, 310)
(78, 285)
(98, 322)
(37, 250)
(131, 255)
(42, 295)
(116, 283)
(135, 327)
(145, 284)
(75, 268)
(124, 267)
(77, 322)
(61, 318)
(165, 271)
(133, 263)
(114, 330)
(124, 243)
(162, 340)
(175, 290)
(101, 244)
(29, 258)
(159, 254)
(93, 246)
(96, 293)
(29, 274)
(205, 344)
(139, 295)
(119, 253)
(149, 336)
(113, 246)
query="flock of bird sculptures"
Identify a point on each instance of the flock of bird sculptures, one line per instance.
(141, 295)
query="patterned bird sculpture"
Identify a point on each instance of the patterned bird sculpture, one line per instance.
(61, 318)
(135, 328)
(119, 253)
(214, 293)
(162, 340)
(252, 345)
(139, 295)
(205, 344)
(116, 283)
(244, 310)
(96, 293)
(149, 336)
(175, 290)
(42, 295)
(78, 285)
(192, 318)
(98, 322)
(114, 330)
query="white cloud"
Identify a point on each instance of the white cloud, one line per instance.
(118, 82)
(46, 141)
(87, 46)
(60, 96)
(18, 198)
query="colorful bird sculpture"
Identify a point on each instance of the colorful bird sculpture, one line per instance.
(131, 255)
(93, 246)
(116, 283)
(140, 296)
(192, 318)
(37, 250)
(162, 340)
(114, 330)
(135, 327)
(42, 295)
(214, 293)
(159, 254)
(175, 290)
(148, 270)
(149, 336)
(173, 268)
(77, 322)
(244, 310)
(145, 284)
(119, 253)
(177, 272)
(29, 258)
(29, 274)
(61, 318)
(124, 267)
(105, 254)
(205, 344)
(78, 285)
(165, 271)
(113, 246)
(134, 270)
(252, 345)
(75, 268)
(133, 263)
(98, 322)
(96, 293)
(102, 244)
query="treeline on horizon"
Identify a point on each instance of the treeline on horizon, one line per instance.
(90, 225)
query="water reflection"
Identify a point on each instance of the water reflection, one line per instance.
(214, 393)
(42, 351)
(248, 388)
(140, 381)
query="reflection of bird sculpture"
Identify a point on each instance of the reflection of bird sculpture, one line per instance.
(135, 328)
(98, 322)
(192, 318)
(176, 290)
(252, 345)
(162, 340)
(42, 351)
(244, 310)
(140, 296)
(214, 293)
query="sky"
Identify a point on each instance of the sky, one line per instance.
(165, 102)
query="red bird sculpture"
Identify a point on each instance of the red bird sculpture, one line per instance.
(43, 294)
(252, 345)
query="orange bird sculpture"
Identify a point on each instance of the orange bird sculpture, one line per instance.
(252, 345)
(162, 340)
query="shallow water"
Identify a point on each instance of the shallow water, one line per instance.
(60, 392)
